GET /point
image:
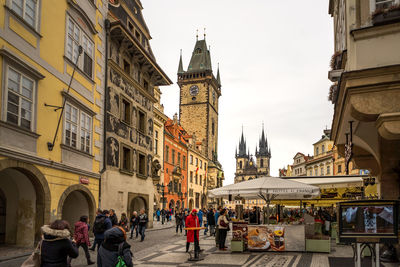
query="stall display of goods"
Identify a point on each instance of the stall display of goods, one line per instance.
(266, 237)
(239, 232)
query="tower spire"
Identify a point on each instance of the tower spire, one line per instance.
(197, 34)
(218, 77)
(180, 68)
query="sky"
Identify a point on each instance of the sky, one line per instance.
(274, 62)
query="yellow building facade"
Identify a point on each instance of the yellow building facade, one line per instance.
(48, 174)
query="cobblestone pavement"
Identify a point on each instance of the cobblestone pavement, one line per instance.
(165, 248)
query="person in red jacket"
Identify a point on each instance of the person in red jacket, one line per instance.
(192, 235)
(81, 237)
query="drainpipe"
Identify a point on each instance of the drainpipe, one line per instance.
(107, 29)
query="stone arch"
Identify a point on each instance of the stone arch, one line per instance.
(77, 188)
(41, 187)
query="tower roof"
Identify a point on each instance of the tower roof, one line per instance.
(242, 147)
(263, 150)
(218, 77)
(201, 59)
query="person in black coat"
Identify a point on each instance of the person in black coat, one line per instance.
(113, 217)
(56, 245)
(211, 221)
(114, 245)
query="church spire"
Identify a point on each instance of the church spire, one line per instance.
(242, 146)
(218, 77)
(180, 68)
(263, 145)
(201, 59)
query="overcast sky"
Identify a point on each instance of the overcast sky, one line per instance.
(274, 60)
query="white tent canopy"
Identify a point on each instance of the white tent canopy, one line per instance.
(268, 188)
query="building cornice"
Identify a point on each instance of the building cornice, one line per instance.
(33, 159)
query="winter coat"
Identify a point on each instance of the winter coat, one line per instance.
(56, 247)
(210, 218)
(109, 249)
(114, 219)
(134, 221)
(223, 218)
(108, 225)
(81, 234)
(179, 218)
(192, 221)
(124, 224)
(200, 215)
(143, 219)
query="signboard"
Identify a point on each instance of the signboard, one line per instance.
(266, 238)
(239, 232)
(83, 180)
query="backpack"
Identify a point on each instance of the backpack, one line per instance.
(99, 225)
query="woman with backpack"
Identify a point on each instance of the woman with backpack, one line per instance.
(179, 220)
(114, 249)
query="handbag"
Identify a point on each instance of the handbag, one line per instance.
(34, 259)
(121, 262)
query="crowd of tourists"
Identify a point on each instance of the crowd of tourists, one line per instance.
(58, 248)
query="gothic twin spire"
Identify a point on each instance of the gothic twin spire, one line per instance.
(261, 151)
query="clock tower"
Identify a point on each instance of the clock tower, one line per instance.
(199, 94)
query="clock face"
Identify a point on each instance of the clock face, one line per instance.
(194, 90)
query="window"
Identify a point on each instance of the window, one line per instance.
(339, 168)
(191, 159)
(127, 67)
(179, 159)
(142, 164)
(196, 178)
(126, 159)
(197, 200)
(76, 37)
(205, 166)
(145, 85)
(310, 172)
(130, 26)
(383, 4)
(316, 172)
(201, 164)
(173, 156)
(240, 164)
(166, 153)
(317, 151)
(78, 128)
(137, 35)
(27, 9)
(323, 149)
(156, 142)
(201, 179)
(126, 111)
(191, 177)
(262, 163)
(322, 171)
(20, 95)
(197, 162)
(184, 162)
(328, 170)
(141, 121)
(212, 128)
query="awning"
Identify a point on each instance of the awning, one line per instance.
(331, 182)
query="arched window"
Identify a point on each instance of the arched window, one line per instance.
(262, 163)
(198, 51)
(323, 149)
(240, 164)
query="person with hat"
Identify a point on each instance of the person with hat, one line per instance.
(192, 235)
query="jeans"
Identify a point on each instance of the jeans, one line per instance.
(212, 230)
(97, 242)
(222, 237)
(205, 230)
(158, 218)
(179, 226)
(86, 249)
(142, 229)
(133, 229)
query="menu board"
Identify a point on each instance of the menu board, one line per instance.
(239, 232)
(266, 237)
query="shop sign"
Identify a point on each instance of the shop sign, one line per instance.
(83, 180)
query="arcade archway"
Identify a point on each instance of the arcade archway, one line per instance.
(24, 203)
(138, 203)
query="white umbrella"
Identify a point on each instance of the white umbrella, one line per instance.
(268, 188)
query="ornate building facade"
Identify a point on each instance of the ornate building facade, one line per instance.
(246, 167)
(127, 183)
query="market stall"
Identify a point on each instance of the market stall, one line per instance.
(275, 237)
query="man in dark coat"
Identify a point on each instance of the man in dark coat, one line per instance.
(113, 217)
(101, 224)
(211, 221)
(143, 219)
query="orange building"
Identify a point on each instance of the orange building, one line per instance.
(175, 164)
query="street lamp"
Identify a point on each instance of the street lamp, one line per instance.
(161, 189)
